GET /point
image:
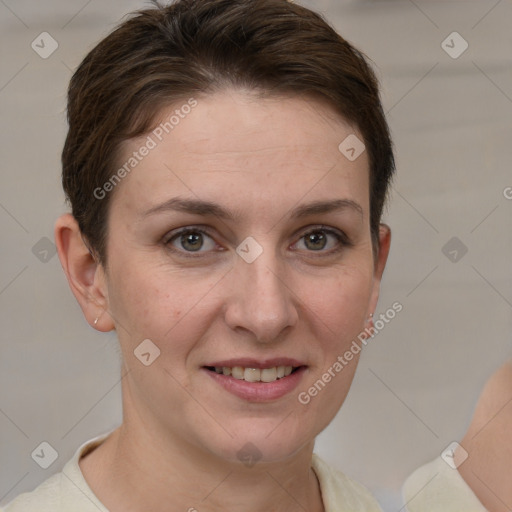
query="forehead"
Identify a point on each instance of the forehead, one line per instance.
(234, 142)
(244, 122)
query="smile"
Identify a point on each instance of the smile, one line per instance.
(257, 381)
(254, 374)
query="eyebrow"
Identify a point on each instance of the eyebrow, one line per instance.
(207, 208)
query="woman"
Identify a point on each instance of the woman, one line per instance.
(477, 477)
(227, 163)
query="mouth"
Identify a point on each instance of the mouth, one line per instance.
(249, 374)
(257, 381)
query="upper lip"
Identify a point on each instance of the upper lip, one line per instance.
(248, 362)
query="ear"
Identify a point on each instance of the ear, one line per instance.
(86, 277)
(380, 264)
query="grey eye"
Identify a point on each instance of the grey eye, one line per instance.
(192, 241)
(319, 240)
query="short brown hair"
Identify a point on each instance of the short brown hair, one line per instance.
(164, 55)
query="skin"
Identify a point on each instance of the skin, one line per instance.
(488, 442)
(259, 158)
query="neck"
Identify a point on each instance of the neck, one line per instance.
(133, 471)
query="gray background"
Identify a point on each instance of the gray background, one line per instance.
(420, 377)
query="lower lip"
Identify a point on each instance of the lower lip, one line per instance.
(259, 391)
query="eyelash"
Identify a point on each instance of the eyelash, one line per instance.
(341, 238)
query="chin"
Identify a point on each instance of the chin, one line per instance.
(260, 442)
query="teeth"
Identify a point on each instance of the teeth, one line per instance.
(252, 375)
(268, 375)
(255, 374)
(237, 372)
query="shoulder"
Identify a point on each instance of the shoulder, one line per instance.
(44, 498)
(63, 491)
(488, 444)
(495, 396)
(338, 489)
(489, 441)
(60, 493)
(437, 486)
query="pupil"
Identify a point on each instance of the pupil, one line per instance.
(318, 241)
(192, 241)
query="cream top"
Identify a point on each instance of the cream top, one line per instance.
(68, 491)
(436, 486)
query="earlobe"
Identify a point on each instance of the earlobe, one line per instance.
(85, 275)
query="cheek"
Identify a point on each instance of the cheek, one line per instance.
(156, 302)
(342, 300)
(340, 311)
(137, 298)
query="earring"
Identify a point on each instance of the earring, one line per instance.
(96, 321)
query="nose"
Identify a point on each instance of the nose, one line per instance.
(261, 301)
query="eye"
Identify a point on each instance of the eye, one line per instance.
(191, 241)
(322, 240)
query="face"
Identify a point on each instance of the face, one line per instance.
(241, 241)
